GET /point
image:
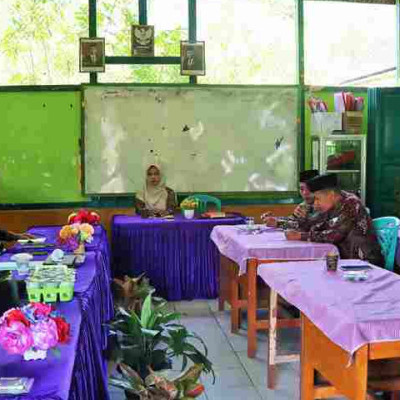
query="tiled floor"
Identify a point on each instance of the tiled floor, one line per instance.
(237, 377)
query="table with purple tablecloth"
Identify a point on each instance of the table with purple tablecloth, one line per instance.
(99, 245)
(350, 314)
(271, 243)
(177, 255)
(50, 232)
(80, 372)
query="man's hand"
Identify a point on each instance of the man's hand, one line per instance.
(25, 236)
(271, 222)
(293, 235)
(300, 212)
(265, 216)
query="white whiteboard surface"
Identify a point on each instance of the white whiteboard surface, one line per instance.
(207, 139)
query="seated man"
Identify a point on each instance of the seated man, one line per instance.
(342, 220)
(304, 212)
(10, 237)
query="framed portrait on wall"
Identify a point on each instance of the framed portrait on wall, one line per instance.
(92, 55)
(193, 60)
(142, 40)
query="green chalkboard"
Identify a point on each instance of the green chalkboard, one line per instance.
(39, 146)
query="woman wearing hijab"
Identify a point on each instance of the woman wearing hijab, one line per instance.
(156, 197)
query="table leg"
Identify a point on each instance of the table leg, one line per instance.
(273, 312)
(333, 363)
(235, 310)
(251, 308)
(221, 304)
(307, 370)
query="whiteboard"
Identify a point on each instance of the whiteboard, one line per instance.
(206, 138)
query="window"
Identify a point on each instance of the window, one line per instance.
(39, 41)
(248, 42)
(349, 43)
(170, 19)
(142, 74)
(114, 20)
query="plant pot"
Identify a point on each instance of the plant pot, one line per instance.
(131, 396)
(33, 355)
(81, 249)
(188, 214)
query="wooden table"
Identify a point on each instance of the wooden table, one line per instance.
(350, 330)
(319, 353)
(241, 254)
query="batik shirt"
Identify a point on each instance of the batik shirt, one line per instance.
(349, 227)
(299, 223)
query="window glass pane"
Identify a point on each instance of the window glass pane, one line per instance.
(349, 43)
(248, 42)
(170, 19)
(142, 74)
(39, 41)
(114, 20)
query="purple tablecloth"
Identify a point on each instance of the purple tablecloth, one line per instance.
(100, 246)
(271, 243)
(83, 376)
(351, 314)
(178, 256)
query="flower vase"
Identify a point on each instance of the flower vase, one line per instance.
(80, 250)
(188, 214)
(32, 355)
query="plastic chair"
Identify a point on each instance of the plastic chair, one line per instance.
(204, 200)
(387, 229)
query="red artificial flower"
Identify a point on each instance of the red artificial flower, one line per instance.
(16, 316)
(63, 329)
(84, 216)
(41, 309)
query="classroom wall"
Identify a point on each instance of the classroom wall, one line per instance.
(20, 220)
(40, 171)
(40, 158)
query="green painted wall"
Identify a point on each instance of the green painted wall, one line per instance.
(39, 146)
(40, 153)
(328, 97)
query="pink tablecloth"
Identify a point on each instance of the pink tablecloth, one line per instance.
(271, 243)
(351, 314)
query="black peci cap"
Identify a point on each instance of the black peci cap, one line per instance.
(322, 182)
(305, 176)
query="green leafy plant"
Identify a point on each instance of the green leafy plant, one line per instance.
(157, 387)
(148, 342)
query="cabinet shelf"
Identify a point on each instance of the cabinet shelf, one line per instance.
(339, 151)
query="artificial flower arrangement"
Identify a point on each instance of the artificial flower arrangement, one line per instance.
(84, 216)
(189, 204)
(32, 330)
(75, 235)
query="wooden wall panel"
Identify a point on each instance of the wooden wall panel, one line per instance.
(20, 220)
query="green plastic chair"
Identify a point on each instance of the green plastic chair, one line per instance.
(387, 230)
(204, 200)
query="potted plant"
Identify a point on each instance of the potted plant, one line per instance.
(188, 206)
(130, 293)
(148, 342)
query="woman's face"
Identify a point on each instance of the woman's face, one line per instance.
(153, 176)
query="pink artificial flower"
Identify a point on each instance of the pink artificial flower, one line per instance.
(41, 309)
(15, 338)
(45, 334)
